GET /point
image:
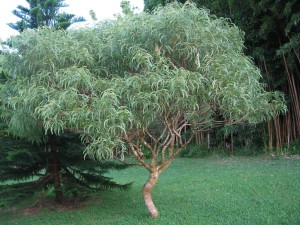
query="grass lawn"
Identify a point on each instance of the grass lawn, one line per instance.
(192, 191)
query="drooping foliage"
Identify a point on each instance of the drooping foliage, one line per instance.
(179, 69)
(43, 13)
(182, 68)
(272, 38)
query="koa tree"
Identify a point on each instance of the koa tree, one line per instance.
(145, 82)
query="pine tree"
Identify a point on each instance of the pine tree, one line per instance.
(43, 13)
(32, 168)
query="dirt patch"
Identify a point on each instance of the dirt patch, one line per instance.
(31, 211)
(53, 206)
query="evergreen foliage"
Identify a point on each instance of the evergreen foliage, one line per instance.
(27, 169)
(43, 13)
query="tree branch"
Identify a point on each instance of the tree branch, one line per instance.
(162, 134)
(136, 151)
(149, 135)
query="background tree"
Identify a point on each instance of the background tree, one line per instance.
(115, 84)
(43, 13)
(30, 166)
(93, 15)
(127, 9)
(149, 5)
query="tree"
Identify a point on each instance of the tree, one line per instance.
(43, 13)
(127, 9)
(179, 69)
(33, 165)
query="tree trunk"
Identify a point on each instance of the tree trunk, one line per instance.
(270, 132)
(153, 178)
(54, 170)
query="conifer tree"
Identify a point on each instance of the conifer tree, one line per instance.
(43, 13)
(30, 168)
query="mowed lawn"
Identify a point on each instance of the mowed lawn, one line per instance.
(221, 191)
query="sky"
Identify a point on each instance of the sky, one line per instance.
(103, 8)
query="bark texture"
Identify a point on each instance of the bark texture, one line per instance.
(153, 178)
(54, 170)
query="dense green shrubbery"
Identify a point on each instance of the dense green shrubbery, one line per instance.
(247, 141)
(202, 151)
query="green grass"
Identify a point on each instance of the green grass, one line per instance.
(193, 191)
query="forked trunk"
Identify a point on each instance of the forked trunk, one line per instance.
(153, 178)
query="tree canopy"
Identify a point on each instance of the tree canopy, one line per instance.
(179, 69)
(43, 13)
(272, 38)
